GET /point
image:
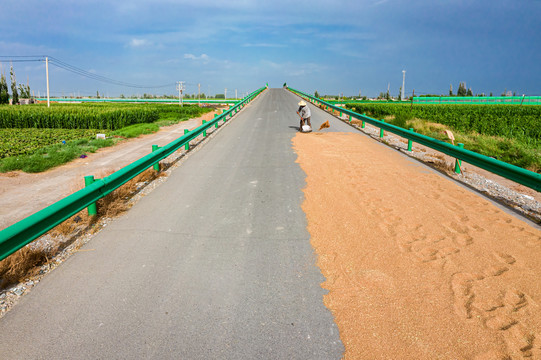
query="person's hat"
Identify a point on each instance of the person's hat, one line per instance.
(302, 103)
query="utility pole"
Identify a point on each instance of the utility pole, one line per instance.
(180, 88)
(403, 84)
(236, 94)
(199, 94)
(47, 73)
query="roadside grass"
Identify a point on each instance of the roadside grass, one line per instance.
(27, 262)
(136, 130)
(54, 155)
(512, 151)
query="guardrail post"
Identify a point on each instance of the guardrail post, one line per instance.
(92, 208)
(216, 123)
(381, 132)
(205, 131)
(458, 163)
(157, 165)
(349, 118)
(410, 143)
(363, 125)
(187, 145)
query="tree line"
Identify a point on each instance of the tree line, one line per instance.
(23, 92)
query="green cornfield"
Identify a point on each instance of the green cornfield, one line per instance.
(509, 121)
(70, 116)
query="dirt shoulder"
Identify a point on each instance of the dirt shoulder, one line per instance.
(417, 267)
(22, 194)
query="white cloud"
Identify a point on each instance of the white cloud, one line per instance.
(203, 57)
(139, 43)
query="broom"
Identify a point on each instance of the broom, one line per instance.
(324, 125)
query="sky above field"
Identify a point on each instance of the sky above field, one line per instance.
(329, 46)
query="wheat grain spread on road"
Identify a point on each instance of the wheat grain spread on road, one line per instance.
(417, 267)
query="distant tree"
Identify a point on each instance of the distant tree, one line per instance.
(220, 96)
(491, 93)
(451, 90)
(316, 94)
(514, 93)
(400, 94)
(462, 89)
(97, 94)
(4, 92)
(14, 92)
(24, 91)
(122, 96)
(469, 93)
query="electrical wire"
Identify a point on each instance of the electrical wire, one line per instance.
(76, 70)
(63, 65)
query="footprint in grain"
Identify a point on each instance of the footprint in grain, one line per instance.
(505, 258)
(464, 296)
(454, 206)
(506, 312)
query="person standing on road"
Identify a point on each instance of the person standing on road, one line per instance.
(304, 113)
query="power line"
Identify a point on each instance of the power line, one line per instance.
(76, 70)
(81, 72)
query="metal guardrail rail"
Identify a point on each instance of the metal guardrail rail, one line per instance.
(478, 100)
(511, 172)
(27, 230)
(452, 100)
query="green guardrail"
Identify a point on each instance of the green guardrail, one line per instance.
(168, 101)
(27, 230)
(479, 100)
(511, 172)
(465, 100)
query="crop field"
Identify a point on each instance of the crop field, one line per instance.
(510, 133)
(35, 134)
(89, 116)
(27, 141)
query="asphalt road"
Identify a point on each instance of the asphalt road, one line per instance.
(214, 263)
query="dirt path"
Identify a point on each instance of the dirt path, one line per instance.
(23, 194)
(417, 267)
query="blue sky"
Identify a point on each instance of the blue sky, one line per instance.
(330, 46)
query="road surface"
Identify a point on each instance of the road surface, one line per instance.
(214, 263)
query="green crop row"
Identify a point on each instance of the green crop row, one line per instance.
(17, 142)
(510, 121)
(90, 116)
